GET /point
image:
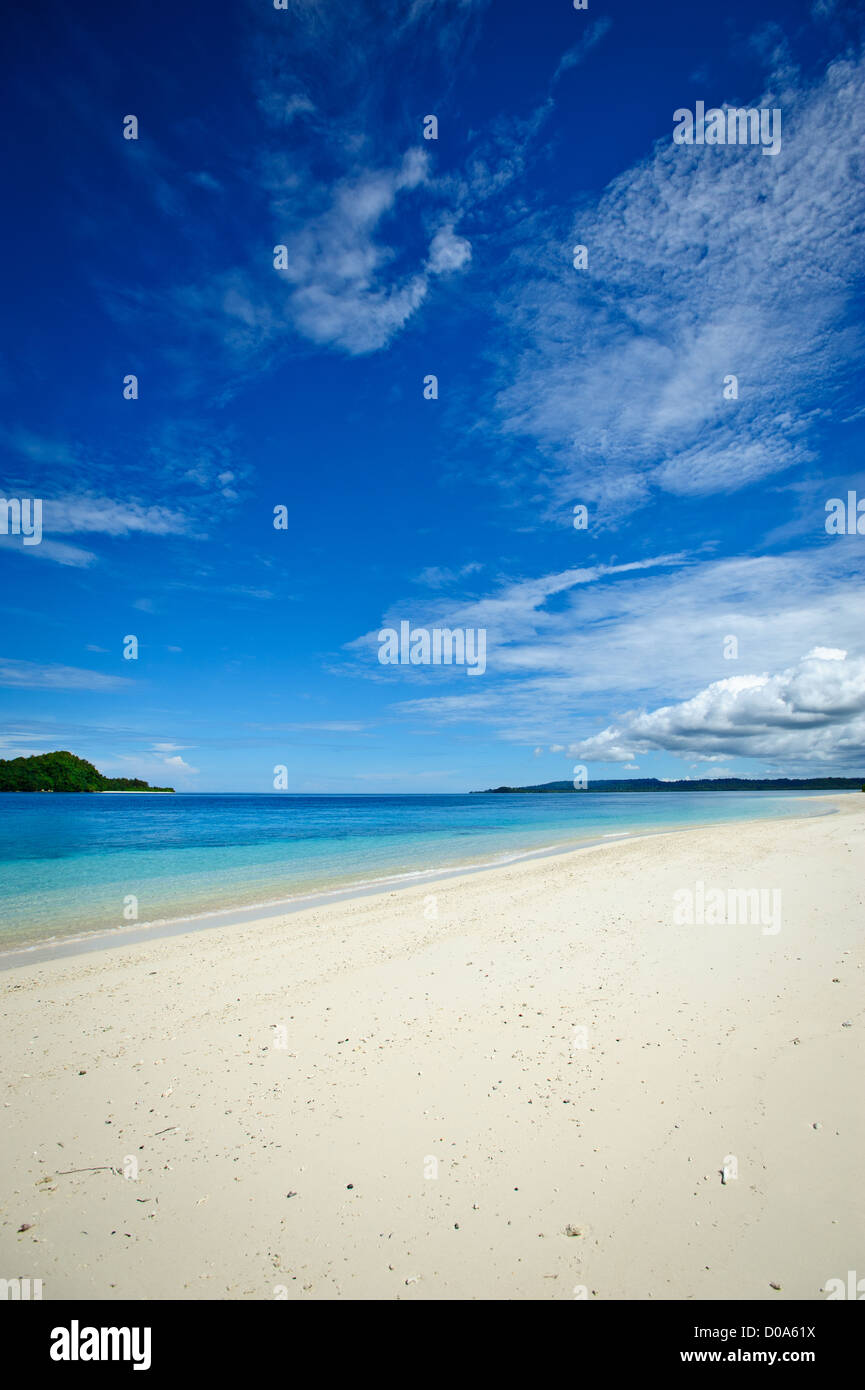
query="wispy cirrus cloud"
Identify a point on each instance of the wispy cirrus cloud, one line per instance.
(349, 284)
(345, 283)
(328, 726)
(110, 517)
(440, 577)
(513, 613)
(180, 459)
(70, 555)
(33, 675)
(325, 76)
(580, 51)
(645, 635)
(104, 516)
(340, 291)
(157, 768)
(703, 263)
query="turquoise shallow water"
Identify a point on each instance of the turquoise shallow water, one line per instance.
(69, 863)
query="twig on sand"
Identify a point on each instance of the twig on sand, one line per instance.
(100, 1168)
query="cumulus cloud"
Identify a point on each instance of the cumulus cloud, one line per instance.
(812, 712)
(177, 764)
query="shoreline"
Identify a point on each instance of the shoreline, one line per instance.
(105, 938)
(538, 1089)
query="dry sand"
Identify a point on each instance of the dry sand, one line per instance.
(411, 1044)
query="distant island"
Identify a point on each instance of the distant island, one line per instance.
(64, 772)
(700, 784)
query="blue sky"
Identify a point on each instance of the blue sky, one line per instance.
(303, 388)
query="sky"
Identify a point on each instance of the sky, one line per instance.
(703, 622)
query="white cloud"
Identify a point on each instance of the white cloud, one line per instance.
(516, 612)
(699, 268)
(448, 251)
(35, 676)
(438, 577)
(70, 555)
(327, 726)
(341, 289)
(110, 517)
(282, 110)
(583, 47)
(813, 712)
(176, 764)
(648, 637)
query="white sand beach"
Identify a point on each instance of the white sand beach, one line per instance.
(551, 1052)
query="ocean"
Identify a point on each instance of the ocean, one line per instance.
(76, 865)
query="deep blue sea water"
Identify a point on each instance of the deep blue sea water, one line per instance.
(68, 863)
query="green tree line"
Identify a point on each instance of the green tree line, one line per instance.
(64, 772)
